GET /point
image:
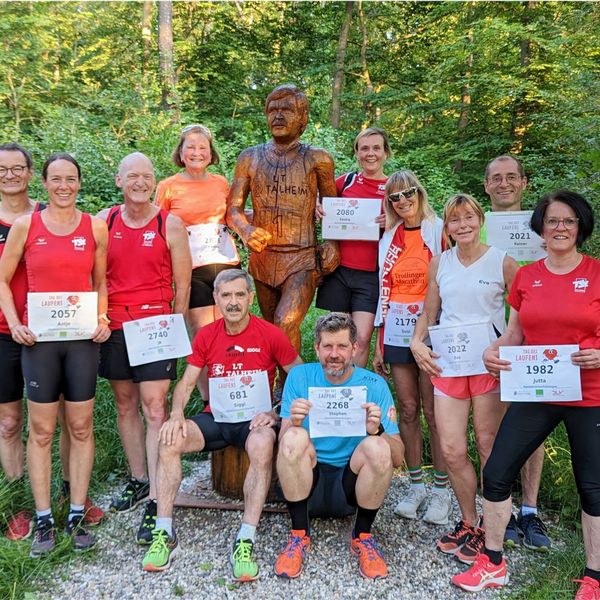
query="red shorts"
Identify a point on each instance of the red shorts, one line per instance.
(465, 387)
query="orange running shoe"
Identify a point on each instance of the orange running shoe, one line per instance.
(371, 563)
(471, 548)
(92, 514)
(452, 542)
(20, 526)
(290, 561)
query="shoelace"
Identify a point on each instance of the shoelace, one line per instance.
(42, 531)
(293, 543)
(460, 529)
(437, 501)
(243, 551)
(477, 541)
(159, 541)
(534, 523)
(371, 547)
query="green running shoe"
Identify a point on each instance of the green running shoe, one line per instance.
(243, 561)
(161, 552)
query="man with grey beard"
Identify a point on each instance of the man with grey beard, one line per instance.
(336, 475)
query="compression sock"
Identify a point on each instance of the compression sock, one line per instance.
(364, 520)
(164, 523)
(495, 556)
(416, 477)
(440, 481)
(299, 514)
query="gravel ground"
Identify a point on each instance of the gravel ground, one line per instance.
(201, 570)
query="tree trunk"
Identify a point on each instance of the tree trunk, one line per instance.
(147, 34)
(465, 100)
(366, 76)
(165, 58)
(338, 78)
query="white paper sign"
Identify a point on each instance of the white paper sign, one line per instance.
(461, 347)
(210, 244)
(239, 398)
(510, 231)
(62, 316)
(337, 412)
(160, 337)
(350, 218)
(540, 374)
(400, 323)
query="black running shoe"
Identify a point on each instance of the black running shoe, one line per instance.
(144, 534)
(135, 492)
(82, 538)
(44, 538)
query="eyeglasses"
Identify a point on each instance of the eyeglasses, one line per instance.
(510, 178)
(397, 196)
(201, 128)
(568, 223)
(17, 170)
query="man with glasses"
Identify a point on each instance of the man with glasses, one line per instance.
(505, 181)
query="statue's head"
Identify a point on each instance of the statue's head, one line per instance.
(286, 109)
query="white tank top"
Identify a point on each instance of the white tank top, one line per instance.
(473, 293)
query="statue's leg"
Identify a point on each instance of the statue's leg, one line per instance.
(268, 298)
(297, 293)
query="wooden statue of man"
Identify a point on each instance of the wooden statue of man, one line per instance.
(284, 177)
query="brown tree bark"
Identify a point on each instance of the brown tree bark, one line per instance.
(167, 73)
(465, 100)
(366, 76)
(340, 60)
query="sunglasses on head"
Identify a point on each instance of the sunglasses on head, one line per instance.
(406, 194)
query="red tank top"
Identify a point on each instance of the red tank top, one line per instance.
(59, 263)
(139, 261)
(18, 284)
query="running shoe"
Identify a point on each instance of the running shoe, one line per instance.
(243, 561)
(290, 561)
(82, 538)
(589, 589)
(483, 573)
(20, 526)
(134, 492)
(44, 538)
(408, 506)
(440, 506)
(144, 534)
(163, 550)
(534, 532)
(371, 563)
(472, 547)
(512, 536)
(92, 515)
(453, 541)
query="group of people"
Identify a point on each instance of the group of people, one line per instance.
(177, 255)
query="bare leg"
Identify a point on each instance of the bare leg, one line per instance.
(131, 426)
(452, 419)
(259, 447)
(531, 476)
(426, 391)
(153, 396)
(79, 417)
(42, 424)
(198, 318)
(296, 460)
(372, 462)
(488, 412)
(11, 444)
(591, 540)
(364, 327)
(64, 442)
(496, 516)
(168, 471)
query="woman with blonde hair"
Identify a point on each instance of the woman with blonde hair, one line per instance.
(413, 235)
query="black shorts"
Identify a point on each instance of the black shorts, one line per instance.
(203, 279)
(220, 435)
(349, 290)
(398, 355)
(54, 368)
(114, 363)
(328, 498)
(11, 375)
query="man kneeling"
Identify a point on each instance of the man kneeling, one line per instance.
(241, 353)
(335, 475)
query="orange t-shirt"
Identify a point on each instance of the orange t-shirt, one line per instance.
(408, 276)
(194, 201)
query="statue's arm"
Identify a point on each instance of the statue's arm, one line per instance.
(324, 168)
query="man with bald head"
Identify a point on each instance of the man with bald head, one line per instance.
(148, 273)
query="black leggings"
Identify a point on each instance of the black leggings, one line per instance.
(524, 427)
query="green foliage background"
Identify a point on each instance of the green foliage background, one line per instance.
(454, 84)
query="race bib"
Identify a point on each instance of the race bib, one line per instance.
(400, 323)
(211, 243)
(337, 411)
(239, 398)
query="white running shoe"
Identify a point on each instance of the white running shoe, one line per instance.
(440, 506)
(408, 506)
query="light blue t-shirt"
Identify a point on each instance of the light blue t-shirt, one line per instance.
(337, 451)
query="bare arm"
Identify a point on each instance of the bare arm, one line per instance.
(513, 336)
(509, 269)
(100, 231)
(181, 263)
(12, 255)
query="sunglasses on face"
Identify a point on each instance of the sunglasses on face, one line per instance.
(405, 194)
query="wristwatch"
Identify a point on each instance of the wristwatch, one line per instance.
(104, 317)
(380, 431)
